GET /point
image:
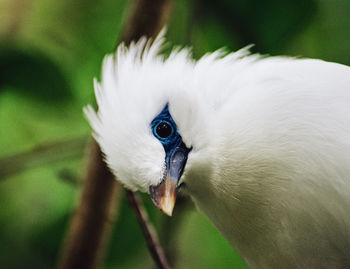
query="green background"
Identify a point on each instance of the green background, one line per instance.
(49, 53)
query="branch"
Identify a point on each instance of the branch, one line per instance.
(147, 18)
(86, 240)
(40, 155)
(148, 231)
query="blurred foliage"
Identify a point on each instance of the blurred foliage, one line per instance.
(16, 70)
(49, 53)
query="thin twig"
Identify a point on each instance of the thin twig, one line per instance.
(41, 155)
(146, 19)
(148, 230)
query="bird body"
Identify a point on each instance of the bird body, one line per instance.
(263, 145)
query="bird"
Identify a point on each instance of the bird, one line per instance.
(260, 143)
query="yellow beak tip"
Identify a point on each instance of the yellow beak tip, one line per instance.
(167, 204)
(164, 195)
(167, 211)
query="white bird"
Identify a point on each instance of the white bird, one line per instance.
(261, 144)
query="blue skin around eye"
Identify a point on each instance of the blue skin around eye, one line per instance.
(175, 149)
(174, 139)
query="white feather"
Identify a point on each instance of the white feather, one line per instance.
(270, 164)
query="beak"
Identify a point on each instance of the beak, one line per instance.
(164, 194)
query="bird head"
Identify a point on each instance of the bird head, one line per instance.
(147, 122)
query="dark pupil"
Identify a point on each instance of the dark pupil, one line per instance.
(163, 130)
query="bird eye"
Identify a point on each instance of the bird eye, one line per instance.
(163, 129)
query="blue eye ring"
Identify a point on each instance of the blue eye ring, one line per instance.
(163, 130)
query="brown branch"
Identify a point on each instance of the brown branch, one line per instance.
(92, 222)
(41, 155)
(147, 17)
(86, 240)
(148, 231)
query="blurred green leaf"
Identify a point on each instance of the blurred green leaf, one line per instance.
(34, 75)
(268, 24)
